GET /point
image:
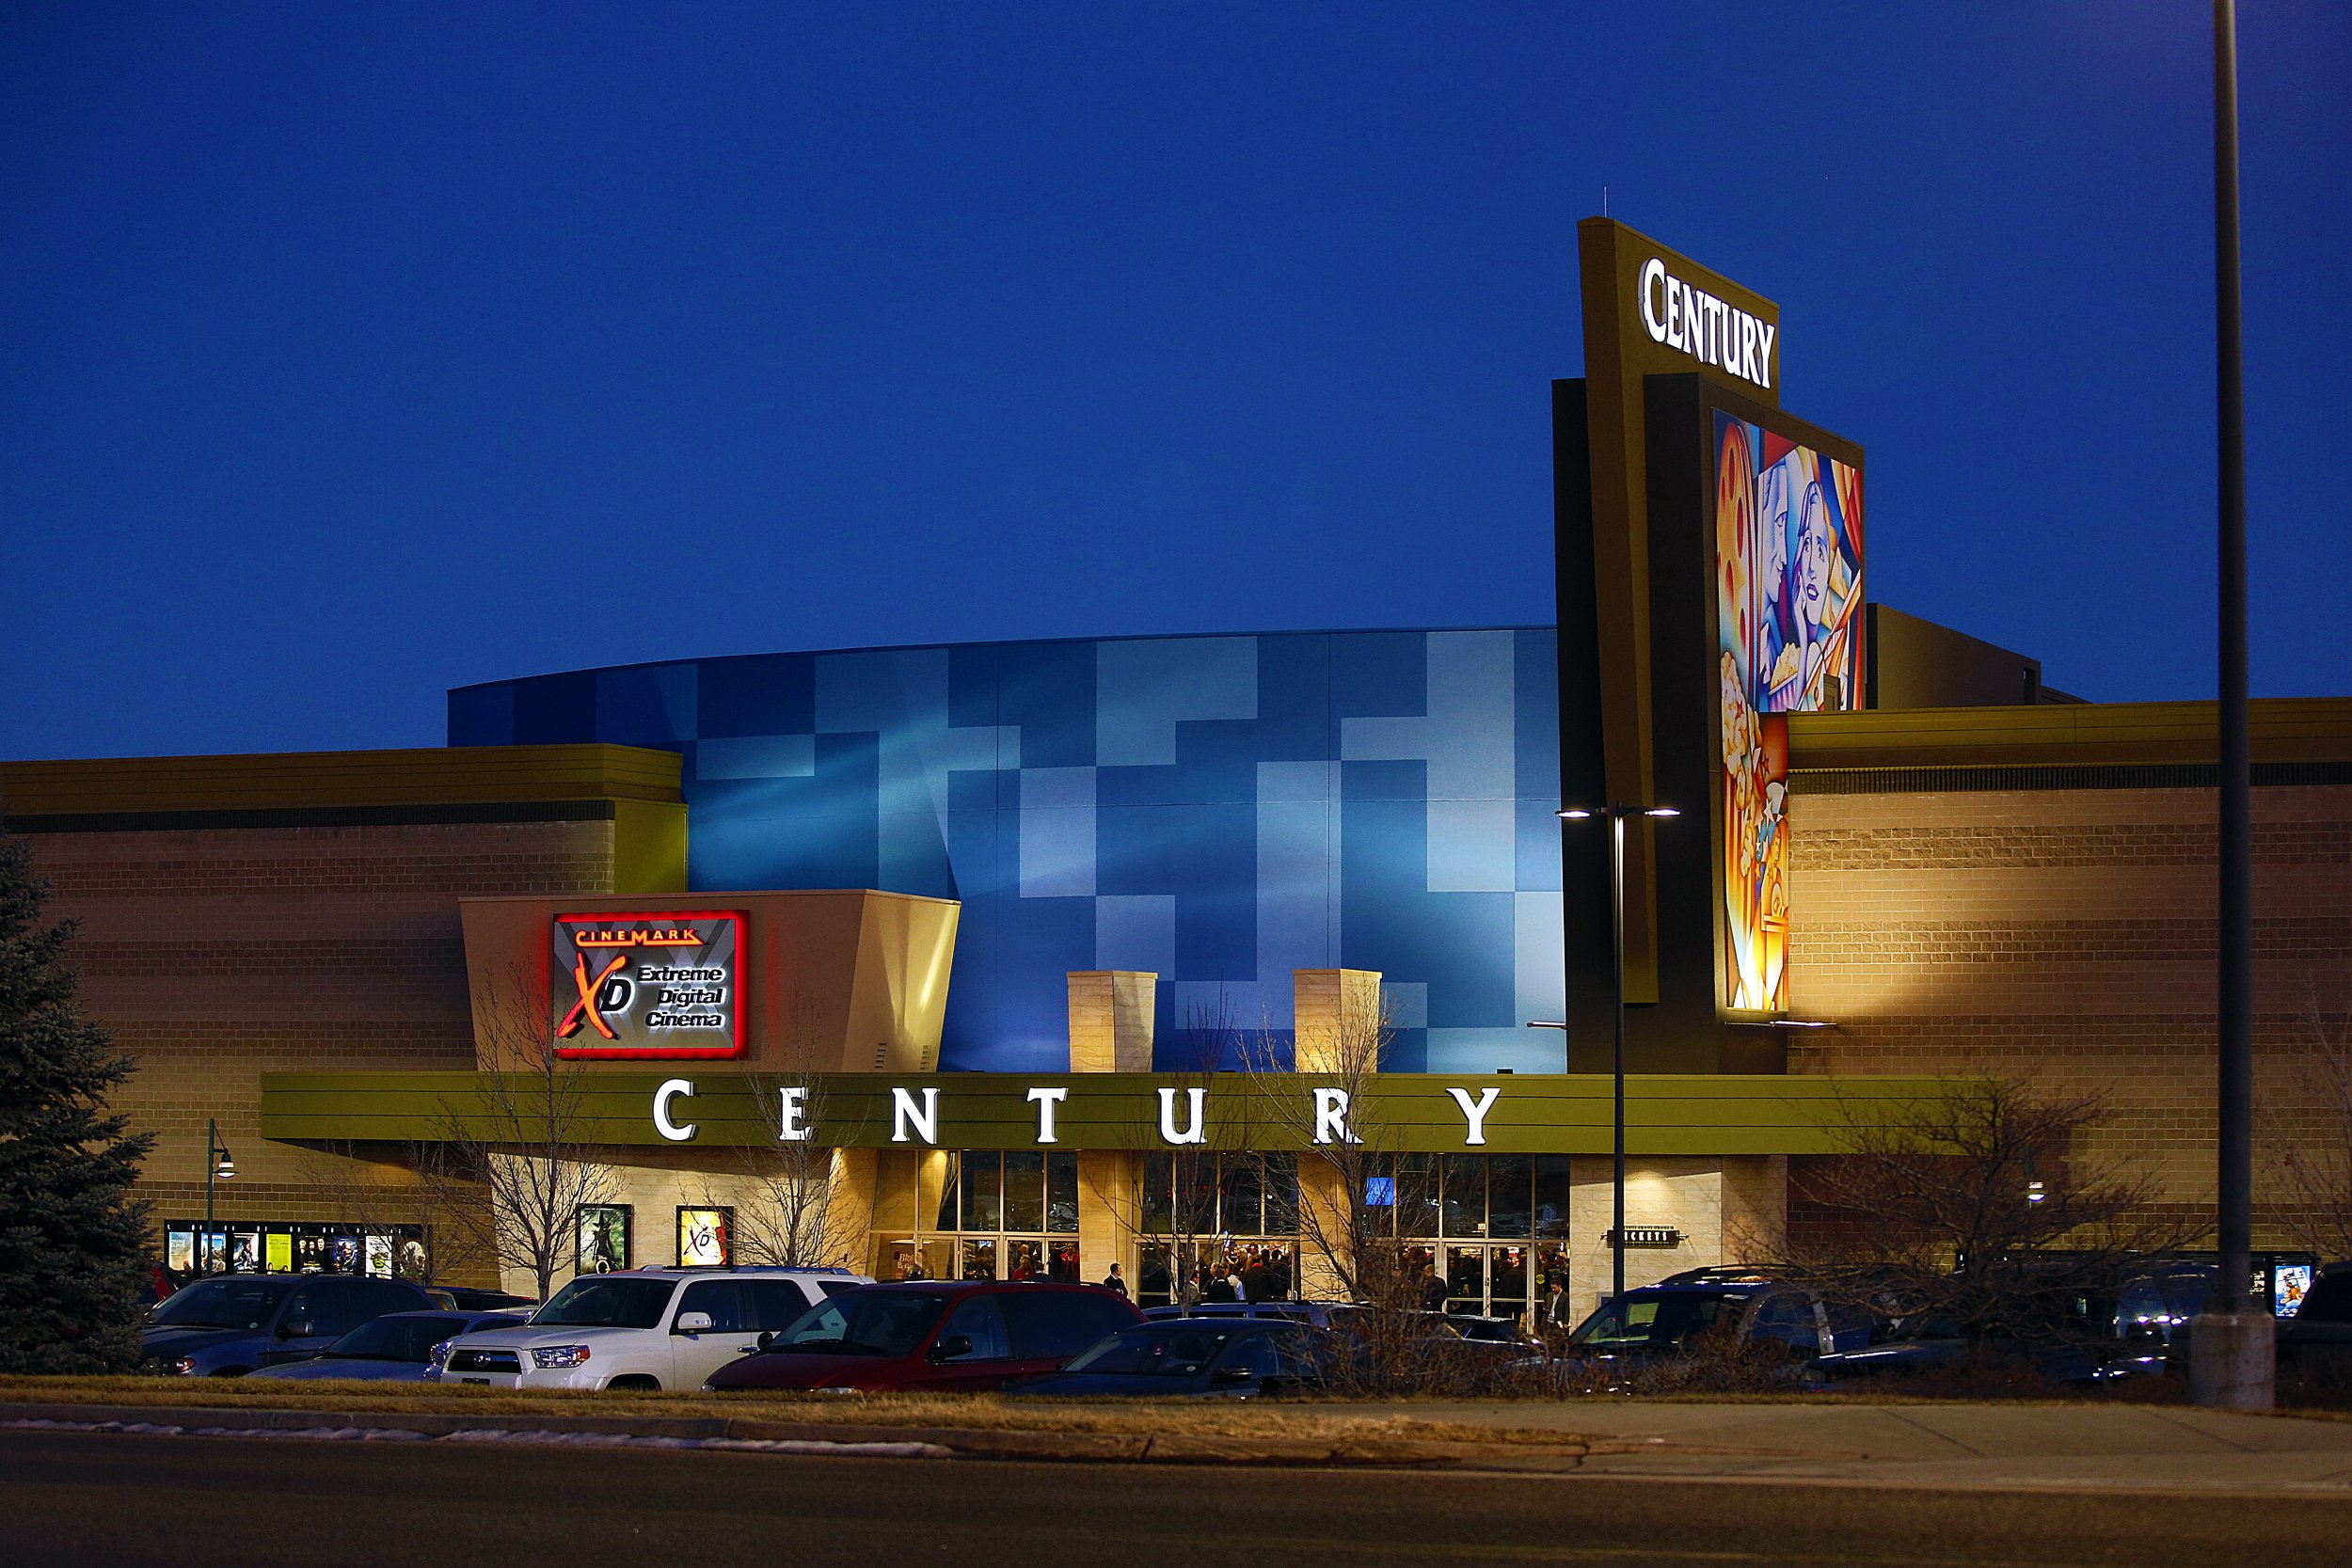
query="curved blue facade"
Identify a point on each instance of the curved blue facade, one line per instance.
(1218, 810)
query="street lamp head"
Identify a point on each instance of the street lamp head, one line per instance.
(1662, 811)
(223, 1166)
(1576, 814)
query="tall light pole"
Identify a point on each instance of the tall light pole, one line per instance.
(1617, 815)
(2232, 1358)
(217, 1167)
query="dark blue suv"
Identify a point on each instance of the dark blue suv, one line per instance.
(230, 1323)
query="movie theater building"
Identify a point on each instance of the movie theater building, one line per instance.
(1027, 958)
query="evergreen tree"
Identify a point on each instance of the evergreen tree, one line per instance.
(74, 1245)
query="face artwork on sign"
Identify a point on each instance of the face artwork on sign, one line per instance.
(1789, 610)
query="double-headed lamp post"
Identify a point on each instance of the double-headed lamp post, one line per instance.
(1618, 816)
(218, 1167)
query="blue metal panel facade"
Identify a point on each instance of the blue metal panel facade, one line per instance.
(1218, 810)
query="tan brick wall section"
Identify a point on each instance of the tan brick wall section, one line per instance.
(2068, 936)
(217, 955)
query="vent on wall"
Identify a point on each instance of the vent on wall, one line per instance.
(882, 1054)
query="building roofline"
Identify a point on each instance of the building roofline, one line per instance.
(441, 776)
(2076, 735)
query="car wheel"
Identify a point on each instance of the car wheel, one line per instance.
(636, 1380)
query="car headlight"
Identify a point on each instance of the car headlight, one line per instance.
(837, 1389)
(551, 1356)
(437, 1358)
(184, 1367)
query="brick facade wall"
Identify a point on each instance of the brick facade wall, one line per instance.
(214, 955)
(2068, 935)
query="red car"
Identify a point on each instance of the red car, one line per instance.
(972, 1336)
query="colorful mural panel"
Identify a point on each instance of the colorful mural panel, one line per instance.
(1788, 629)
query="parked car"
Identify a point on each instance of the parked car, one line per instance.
(2318, 1336)
(1317, 1312)
(648, 1328)
(2138, 1328)
(1659, 1322)
(231, 1323)
(466, 1298)
(957, 1336)
(396, 1347)
(1228, 1355)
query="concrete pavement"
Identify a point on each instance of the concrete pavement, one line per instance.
(1939, 1445)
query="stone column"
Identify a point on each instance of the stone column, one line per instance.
(1111, 1013)
(1338, 1012)
(851, 1210)
(1111, 1020)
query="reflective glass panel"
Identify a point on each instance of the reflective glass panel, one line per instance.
(1510, 1183)
(1061, 1193)
(983, 1192)
(1025, 1191)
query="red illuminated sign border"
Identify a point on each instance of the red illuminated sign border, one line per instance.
(650, 1053)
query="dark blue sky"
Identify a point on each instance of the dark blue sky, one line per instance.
(348, 353)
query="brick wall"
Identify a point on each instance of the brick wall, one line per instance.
(217, 955)
(2068, 935)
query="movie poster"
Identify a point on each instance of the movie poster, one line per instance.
(603, 1238)
(277, 1251)
(1788, 620)
(702, 1239)
(180, 1251)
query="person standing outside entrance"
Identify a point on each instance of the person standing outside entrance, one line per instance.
(1113, 1282)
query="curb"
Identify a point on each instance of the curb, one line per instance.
(810, 1438)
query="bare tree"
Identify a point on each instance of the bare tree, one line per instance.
(523, 1142)
(363, 1186)
(792, 1209)
(2315, 1168)
(1983, 1205)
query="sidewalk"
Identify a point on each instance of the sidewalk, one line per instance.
(1945, 1443)
(1942, 1446)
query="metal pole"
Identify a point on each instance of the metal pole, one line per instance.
(1616, 897)
(211, 1141)
(2236, 988)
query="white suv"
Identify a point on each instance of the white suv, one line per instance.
(645, 1328)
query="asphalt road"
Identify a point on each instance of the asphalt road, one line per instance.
(94, 1500)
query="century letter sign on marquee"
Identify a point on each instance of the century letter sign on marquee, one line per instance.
(1683, 316)
(650, 986)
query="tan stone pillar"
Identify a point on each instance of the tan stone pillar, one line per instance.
(1338, 1014)
(1111, 1020)
(1111, 1012)
(851, 1205)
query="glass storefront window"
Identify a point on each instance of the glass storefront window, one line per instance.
(979, 1260)
(1281, 1195)
(950, 1206)
(1465, 1196)
(1510, 1184)
(1551, 1195)
(1159, 1195)
(1241, 1196)
(1062, 1197)
(1025, 1191)
(1417, 1194)
(983, 1192)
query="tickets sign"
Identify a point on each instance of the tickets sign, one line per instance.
(662, 985)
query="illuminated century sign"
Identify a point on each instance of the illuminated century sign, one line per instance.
(668, 984)
(1712, 331)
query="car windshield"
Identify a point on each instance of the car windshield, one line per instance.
(395, 1338)
(1156, 1349)
(1666, 1319)
(864, 1322)
(607, 1300)
(245, 1304)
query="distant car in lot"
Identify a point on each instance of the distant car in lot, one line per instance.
(2318, 1337)
(468, 1298)
(648, 1328)
(1317, 1312)
(1230, 1355)
(1659, 1322)
(396, 1347)
(950, 1335)
(232, 1323)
